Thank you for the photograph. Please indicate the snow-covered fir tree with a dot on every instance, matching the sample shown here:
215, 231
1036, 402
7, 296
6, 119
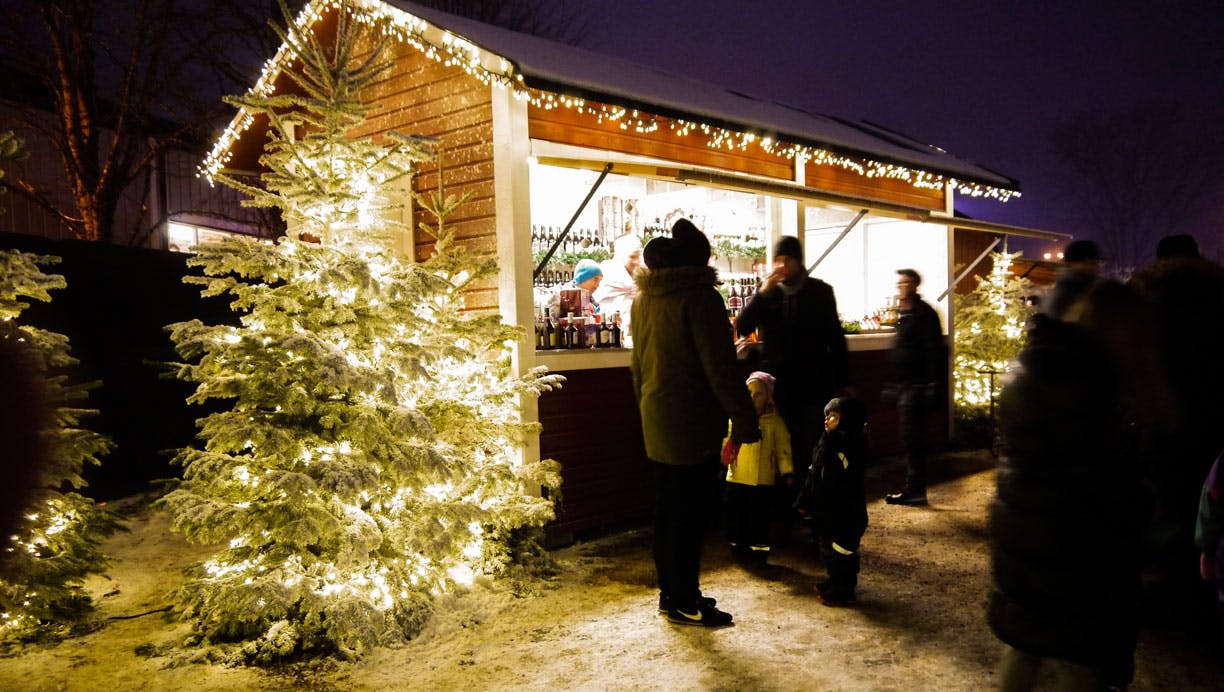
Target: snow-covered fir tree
58, 534
372, 452
989, 334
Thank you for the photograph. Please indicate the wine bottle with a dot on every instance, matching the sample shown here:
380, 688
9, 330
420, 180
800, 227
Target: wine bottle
571, 332
616, 331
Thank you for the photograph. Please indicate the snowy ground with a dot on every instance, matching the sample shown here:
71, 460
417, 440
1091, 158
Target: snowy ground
919, 625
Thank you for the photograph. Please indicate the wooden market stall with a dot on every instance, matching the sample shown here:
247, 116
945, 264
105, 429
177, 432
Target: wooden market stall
531, 128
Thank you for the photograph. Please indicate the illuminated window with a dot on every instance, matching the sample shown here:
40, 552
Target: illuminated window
862, 267
182, 237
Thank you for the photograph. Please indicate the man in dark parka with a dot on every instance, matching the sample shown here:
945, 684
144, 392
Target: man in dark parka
687, 385
805, 349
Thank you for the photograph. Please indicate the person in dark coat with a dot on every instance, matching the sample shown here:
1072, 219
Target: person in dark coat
687, 386
1065, 522
1186, 294
836, 498
918, 359
805, 348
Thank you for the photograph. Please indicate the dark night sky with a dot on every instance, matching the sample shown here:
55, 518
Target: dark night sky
985, 80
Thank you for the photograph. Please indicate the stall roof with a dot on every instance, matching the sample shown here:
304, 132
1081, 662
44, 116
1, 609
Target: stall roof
552, 66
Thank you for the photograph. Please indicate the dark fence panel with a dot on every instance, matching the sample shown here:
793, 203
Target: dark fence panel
114, 310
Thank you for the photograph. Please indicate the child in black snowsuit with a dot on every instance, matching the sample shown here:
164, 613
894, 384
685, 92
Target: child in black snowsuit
836, 499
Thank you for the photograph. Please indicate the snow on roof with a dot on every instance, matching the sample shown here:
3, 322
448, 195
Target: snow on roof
552, 66
547, 69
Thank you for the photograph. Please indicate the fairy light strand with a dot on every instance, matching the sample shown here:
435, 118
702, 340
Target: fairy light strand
496, 71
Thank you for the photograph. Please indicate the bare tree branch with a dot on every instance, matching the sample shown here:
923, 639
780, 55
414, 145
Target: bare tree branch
126, 81
1138, 175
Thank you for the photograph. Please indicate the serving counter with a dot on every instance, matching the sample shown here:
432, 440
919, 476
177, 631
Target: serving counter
593, 428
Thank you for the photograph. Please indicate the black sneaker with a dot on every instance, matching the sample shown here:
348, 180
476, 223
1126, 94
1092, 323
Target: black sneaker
706, 616
906, 498
665, 603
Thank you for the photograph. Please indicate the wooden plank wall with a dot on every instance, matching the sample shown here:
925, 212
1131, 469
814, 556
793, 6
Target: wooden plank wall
421, 96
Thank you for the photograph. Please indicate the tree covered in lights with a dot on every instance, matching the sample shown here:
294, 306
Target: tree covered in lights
989, 334
57, 534
371, 452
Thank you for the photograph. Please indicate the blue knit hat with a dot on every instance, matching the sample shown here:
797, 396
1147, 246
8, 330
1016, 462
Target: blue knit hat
586, 270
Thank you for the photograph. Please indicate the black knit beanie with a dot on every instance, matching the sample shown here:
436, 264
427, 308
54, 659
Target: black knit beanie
692, 248
659, 253
788, 246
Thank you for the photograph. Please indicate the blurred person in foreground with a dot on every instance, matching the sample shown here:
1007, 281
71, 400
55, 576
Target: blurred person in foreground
1186, 293
684, 376
1081, 266
1065, 521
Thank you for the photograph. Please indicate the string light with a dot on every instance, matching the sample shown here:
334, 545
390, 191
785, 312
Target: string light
493, 70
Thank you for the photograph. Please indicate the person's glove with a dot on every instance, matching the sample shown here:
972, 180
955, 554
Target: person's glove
1207, 567
730, 452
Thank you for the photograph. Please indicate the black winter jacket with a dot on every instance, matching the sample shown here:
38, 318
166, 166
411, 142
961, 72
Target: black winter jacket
683, 367
805, 347
1063, 525
918, 351
834, 492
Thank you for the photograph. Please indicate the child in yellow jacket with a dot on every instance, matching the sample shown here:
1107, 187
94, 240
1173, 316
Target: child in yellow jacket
752, 474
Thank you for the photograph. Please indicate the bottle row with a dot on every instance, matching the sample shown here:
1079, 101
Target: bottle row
572, 332
883, 318
554, 277
577, 240
740, 293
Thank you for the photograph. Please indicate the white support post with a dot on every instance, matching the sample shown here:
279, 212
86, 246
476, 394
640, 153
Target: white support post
512, 198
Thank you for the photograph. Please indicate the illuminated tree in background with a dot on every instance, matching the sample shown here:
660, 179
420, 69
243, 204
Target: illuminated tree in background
372, 452
989, 333
56, 542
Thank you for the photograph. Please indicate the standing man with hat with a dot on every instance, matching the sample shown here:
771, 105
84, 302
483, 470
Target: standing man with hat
805, 347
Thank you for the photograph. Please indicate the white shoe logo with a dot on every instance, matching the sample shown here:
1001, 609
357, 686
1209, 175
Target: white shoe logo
696, 617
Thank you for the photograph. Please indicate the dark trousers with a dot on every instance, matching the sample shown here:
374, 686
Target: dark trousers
805, 424
915, 413
843, 568
746, 511
682, 500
